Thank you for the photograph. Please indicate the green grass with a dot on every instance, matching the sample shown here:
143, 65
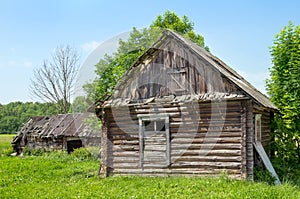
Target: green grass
5, 144
59, 175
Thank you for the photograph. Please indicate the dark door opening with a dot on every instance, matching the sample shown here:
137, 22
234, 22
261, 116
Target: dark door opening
73, 144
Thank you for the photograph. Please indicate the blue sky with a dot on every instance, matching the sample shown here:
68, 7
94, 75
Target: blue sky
239, 32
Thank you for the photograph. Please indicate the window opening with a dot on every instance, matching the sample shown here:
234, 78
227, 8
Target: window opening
156, 125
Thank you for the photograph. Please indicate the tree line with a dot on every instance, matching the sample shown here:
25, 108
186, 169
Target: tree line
15, 114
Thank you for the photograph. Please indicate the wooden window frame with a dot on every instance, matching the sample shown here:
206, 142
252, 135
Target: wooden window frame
257, 127
153, 118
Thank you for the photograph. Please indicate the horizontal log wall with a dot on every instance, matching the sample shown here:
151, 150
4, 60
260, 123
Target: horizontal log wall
206, 138
39, 143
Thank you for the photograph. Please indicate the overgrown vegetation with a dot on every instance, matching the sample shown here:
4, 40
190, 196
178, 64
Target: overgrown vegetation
284, 90
59, 175
263, 175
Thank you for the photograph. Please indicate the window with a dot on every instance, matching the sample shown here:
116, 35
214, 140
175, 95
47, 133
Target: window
154, 139
257, 127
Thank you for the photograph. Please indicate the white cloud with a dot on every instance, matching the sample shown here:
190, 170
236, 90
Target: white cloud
90, 46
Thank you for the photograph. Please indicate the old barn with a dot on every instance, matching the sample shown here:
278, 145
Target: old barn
179, 110
57, 132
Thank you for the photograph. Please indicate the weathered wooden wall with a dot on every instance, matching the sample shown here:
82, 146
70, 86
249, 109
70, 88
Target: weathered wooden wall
173, 69
266, 119
206, 138
42, 143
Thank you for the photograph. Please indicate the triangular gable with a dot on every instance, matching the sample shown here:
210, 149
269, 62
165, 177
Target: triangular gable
177, 66
229, 73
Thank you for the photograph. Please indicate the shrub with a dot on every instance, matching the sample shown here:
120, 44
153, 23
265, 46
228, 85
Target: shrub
34, 152
263, 175
82, 154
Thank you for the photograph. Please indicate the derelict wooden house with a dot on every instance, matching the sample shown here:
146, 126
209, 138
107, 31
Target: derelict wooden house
57, 132
179, 110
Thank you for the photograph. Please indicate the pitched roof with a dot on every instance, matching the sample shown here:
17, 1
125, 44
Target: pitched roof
71, 125
227, 71
215, 62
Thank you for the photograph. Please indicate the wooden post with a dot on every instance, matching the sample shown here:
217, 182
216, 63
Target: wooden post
249, 138
168, 140
244, 139
141, 142
104, 146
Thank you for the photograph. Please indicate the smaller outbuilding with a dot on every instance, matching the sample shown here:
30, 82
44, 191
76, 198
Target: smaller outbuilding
58, 132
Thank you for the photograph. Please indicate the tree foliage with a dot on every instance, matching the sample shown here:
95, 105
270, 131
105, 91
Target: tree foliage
284, 90
54, 80
184, 26
110, 69
15, 114
79, 105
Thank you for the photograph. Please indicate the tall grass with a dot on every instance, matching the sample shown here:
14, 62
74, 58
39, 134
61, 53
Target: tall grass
5, 144
59, 175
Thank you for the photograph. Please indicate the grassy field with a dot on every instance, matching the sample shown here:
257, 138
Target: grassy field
5, 144
59, 175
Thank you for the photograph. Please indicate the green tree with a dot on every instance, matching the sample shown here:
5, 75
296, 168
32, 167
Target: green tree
284, 89
184, 26
15, 114
110, 69
80, 105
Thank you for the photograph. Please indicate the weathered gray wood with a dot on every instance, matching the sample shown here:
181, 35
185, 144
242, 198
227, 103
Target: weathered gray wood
249, 138
243, 139
104, 170
260, 149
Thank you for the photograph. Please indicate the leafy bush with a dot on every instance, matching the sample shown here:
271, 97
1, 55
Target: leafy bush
263, 175
283, 89
287, 172
82, 154
34, 152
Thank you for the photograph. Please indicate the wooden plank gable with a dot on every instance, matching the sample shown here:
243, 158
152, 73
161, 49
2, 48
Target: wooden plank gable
173, 70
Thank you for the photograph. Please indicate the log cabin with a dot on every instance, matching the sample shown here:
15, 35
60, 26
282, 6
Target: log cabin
179, 110
57, 132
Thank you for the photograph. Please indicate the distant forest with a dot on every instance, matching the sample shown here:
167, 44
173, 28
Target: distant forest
15, 114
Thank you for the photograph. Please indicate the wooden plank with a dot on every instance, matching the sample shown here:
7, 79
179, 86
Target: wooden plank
243, 143
208, 152
232, 165
168, 140
181, 145
104, 169
180, 171
249, 138
259, 148
208, 140
206, 159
